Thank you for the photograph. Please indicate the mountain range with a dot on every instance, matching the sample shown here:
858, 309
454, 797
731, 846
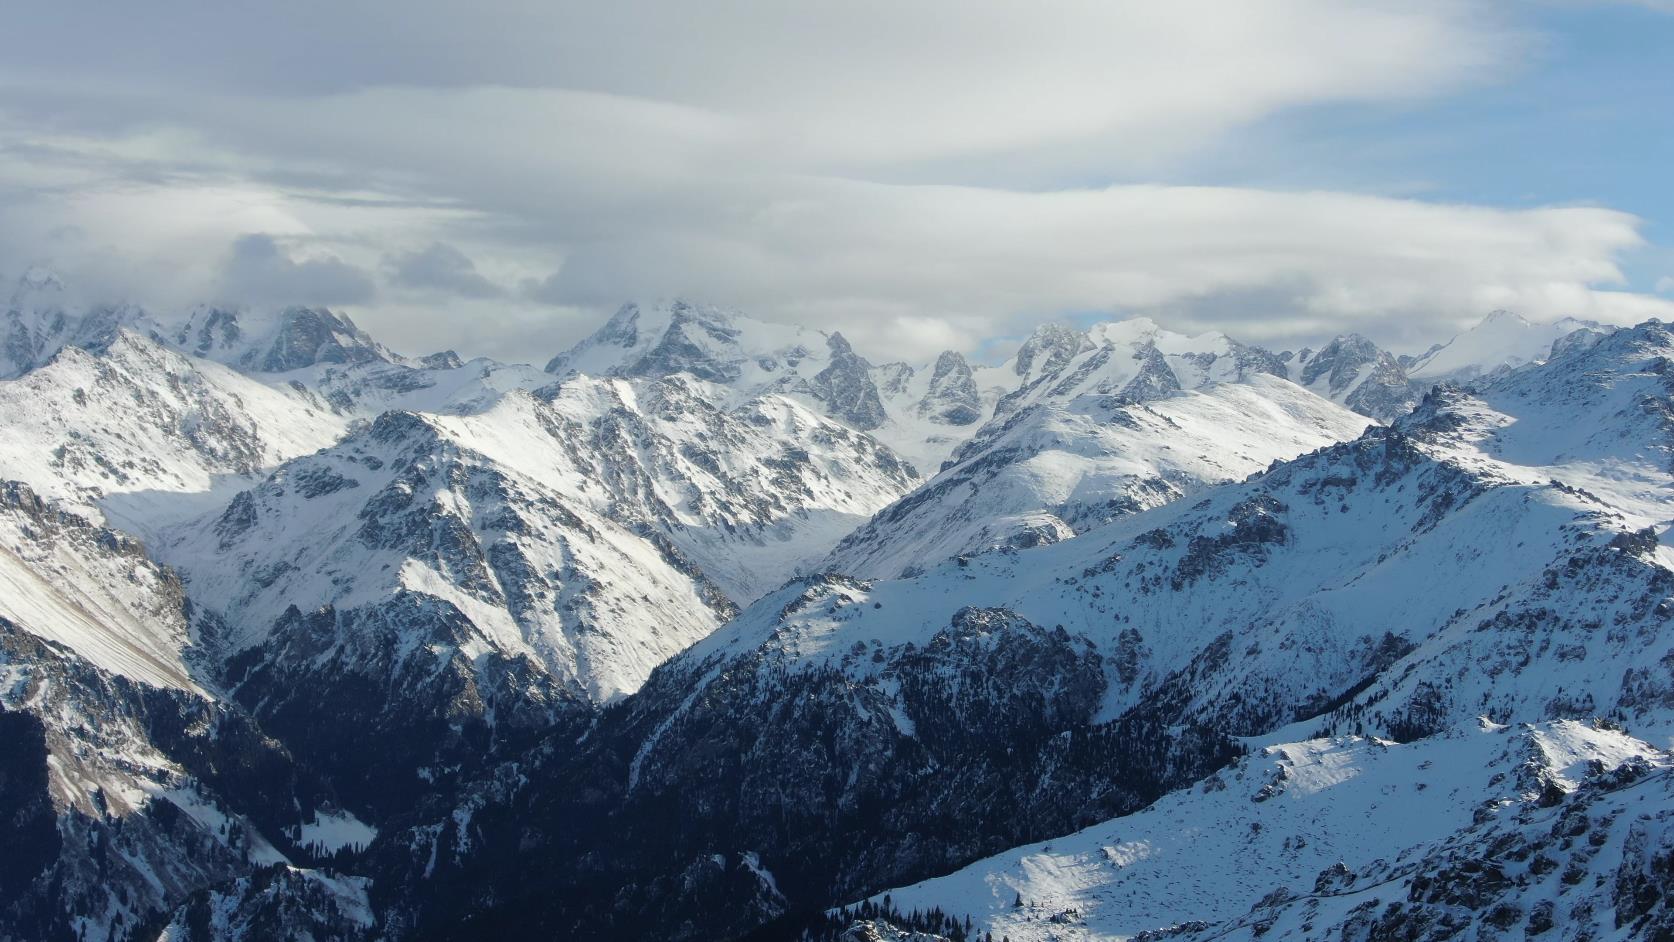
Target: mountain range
715, 628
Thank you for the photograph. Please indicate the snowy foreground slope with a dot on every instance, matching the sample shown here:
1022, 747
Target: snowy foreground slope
1552, 825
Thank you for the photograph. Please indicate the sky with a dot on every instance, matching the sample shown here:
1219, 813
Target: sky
921, 175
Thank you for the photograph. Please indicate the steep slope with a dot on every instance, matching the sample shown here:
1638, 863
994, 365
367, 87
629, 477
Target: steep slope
921, 412
464, 583
1119, 427
1356, 373
40, 319
845, 735
1335, 836
143, 434
128, 783
408, 506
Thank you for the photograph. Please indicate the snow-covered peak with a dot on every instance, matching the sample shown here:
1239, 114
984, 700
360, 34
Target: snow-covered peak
923, 411
711, 343
1502, 340
1047, 349
278, 341
139, 433
1142, 331
41, 319
1359, 374
1132, 360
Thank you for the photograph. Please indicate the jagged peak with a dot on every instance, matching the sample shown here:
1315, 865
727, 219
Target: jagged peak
949, 361
1049, 346
839, 345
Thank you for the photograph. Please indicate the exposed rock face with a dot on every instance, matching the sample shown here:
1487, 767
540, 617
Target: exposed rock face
846, 386
211, 331
1354, 371
308, 336
1049, 349
953, 398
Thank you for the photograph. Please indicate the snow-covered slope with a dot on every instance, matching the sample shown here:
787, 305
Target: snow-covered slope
1305, 834
405, 506
1501, 341
1138, 418
582, 527
128, 782
921, 412
143, 434
92, 590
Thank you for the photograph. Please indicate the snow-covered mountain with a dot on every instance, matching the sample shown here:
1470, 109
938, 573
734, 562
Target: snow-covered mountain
303, 637
129, 782
139, 433
1470, 561
1358, 374
1501, 341
596, 527
922, 412
1136, 418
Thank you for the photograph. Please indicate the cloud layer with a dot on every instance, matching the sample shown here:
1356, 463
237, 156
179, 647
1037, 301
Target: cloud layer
921, 175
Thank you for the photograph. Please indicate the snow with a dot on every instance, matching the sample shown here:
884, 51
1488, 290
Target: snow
1058, 468
1487, 551
117, 436
609, 605
1275, 820
743, 358
1502, 340
330, 831
68, 581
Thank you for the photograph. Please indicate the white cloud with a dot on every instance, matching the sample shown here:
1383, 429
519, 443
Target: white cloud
791, 159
